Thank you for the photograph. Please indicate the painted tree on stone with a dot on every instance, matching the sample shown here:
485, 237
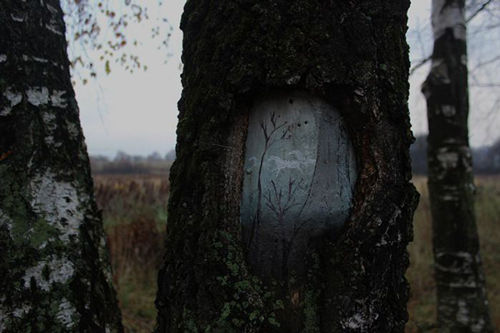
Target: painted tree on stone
54, 270
329, 65
461, 291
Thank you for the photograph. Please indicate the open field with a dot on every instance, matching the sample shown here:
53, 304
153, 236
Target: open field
135, 216
134, 212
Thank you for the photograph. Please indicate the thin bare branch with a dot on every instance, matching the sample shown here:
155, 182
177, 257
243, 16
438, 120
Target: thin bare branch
420, 64
486, 85
479, 10
487, 62
469, 19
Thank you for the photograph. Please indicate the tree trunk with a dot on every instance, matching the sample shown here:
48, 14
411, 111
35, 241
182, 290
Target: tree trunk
341, 69
461, 292
54, 270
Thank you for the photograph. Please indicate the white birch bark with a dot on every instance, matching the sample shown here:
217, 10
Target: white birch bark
461, 291
54, 271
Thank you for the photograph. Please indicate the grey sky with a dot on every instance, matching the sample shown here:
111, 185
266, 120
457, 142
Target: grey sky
137, 112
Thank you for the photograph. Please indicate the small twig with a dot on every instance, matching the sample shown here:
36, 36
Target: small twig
420, 64
470, 18
226, 147
487, 62
479, 10
486, 85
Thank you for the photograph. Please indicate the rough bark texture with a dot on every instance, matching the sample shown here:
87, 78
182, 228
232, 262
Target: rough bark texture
351, 53
462, 301
54, 270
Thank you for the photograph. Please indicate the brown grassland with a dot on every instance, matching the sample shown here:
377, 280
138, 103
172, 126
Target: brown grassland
135, 214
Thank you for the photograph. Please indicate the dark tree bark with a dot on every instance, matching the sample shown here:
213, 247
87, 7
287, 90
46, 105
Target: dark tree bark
54, 269
461, 291
352, 55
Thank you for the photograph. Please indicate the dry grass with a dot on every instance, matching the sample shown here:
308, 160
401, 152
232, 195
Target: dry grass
488, 217
421, 272
134, 211
135, 216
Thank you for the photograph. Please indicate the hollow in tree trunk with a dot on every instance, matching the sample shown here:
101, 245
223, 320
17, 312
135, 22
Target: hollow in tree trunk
257, 240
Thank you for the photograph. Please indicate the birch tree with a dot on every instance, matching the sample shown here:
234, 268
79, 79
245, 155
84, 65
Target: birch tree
257, 242
54, 271
461, 291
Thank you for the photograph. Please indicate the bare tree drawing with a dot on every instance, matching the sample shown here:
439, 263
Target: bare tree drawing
280, 201
280, 205
269, 141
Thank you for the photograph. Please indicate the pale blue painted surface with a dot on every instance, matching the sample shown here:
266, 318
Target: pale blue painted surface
300, 172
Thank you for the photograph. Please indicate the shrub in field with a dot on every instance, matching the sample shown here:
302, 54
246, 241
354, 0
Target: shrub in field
136, 247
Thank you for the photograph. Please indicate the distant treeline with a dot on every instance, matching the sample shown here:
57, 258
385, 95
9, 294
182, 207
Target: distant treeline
485, 160
124, 163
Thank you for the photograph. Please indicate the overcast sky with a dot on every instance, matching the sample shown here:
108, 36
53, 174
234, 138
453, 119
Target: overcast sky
137, 113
